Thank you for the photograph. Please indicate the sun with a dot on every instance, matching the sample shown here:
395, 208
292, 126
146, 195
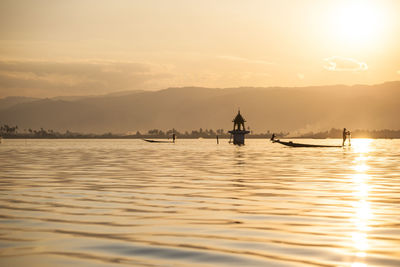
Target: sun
358, 21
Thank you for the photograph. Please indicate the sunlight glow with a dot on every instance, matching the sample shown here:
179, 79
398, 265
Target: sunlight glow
361, 254
359, 22
363, 211
362, 190
358, 264
361, 167
360, 241
361, 158
362, 208
359, 178
361, 146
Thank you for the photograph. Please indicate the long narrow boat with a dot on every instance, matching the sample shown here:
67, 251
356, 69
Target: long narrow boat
291, 144
156, 141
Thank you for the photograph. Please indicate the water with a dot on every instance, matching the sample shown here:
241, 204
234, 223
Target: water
195, 203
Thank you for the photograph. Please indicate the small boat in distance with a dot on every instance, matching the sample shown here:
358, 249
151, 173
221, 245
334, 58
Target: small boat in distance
161, 141
291, 144
157, 141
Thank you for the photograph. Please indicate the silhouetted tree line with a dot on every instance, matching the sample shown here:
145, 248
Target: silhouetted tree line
8, 131
202, 133
12, 132
358, 133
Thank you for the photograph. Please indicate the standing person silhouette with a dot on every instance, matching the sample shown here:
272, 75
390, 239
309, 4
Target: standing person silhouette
345, 134
173, 138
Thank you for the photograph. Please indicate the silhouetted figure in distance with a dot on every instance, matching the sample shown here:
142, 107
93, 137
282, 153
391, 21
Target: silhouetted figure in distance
173, 138
345, 135
273, 137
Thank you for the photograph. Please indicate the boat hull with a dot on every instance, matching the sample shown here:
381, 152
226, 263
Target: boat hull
291, 144
157, 141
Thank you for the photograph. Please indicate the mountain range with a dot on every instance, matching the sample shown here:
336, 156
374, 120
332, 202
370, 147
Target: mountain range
274, 108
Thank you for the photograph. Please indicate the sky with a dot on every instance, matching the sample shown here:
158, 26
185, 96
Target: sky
84, 47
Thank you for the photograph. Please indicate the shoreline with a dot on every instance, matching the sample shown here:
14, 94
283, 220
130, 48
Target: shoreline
192, 138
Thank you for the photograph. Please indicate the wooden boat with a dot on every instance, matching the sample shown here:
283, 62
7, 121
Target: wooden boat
291, 144
157, 141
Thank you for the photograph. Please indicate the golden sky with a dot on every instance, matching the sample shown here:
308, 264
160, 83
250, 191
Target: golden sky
77, 47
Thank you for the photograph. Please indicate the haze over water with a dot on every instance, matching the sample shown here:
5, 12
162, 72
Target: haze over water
195, 203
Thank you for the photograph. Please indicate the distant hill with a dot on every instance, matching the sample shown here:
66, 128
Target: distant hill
275, 108
10, 101
75, 98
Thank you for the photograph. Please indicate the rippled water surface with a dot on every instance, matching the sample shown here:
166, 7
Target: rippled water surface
196, 203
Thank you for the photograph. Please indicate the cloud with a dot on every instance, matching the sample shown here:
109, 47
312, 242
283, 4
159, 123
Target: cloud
51, 78
336, 63
245, 60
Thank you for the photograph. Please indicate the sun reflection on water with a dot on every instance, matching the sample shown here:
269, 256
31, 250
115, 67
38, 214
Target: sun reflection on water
358, 264
361, 145
362, 209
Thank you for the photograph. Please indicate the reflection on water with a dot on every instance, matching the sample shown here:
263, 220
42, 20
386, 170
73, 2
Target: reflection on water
195, 203
362, 210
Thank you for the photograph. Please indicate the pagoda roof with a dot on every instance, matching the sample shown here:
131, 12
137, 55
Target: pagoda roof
238, 118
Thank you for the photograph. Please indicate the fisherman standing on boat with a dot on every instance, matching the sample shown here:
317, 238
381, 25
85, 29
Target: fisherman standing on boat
345, 134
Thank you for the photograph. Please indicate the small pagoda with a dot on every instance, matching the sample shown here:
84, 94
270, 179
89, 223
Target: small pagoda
239, 130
